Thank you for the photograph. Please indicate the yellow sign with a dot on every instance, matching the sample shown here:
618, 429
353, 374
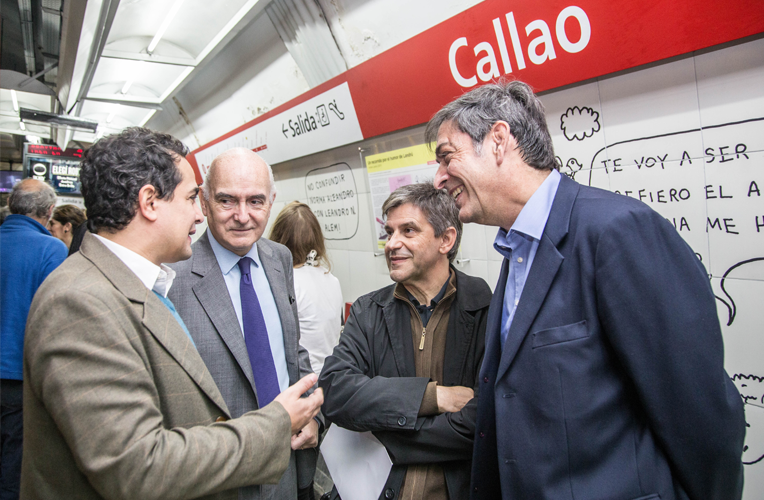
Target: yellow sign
405, 157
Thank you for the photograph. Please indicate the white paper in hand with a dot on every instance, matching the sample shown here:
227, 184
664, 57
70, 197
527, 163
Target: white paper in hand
358, 462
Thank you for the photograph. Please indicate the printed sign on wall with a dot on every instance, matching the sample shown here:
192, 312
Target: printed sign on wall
333, 198
326, 121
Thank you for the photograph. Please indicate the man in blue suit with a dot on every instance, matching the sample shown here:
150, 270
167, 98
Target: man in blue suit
603, 373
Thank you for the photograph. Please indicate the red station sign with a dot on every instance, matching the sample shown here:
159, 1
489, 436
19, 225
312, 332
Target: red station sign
547, 44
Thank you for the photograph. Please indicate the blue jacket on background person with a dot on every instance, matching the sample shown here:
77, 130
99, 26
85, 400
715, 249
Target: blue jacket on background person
28, 254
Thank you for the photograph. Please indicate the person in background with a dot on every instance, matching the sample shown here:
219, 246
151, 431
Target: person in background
407, 363
28, 254
118, 401
319, 297
604, 363
65, 221
4, 212
236, 294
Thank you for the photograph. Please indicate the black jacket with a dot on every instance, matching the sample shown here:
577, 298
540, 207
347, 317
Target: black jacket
370, 382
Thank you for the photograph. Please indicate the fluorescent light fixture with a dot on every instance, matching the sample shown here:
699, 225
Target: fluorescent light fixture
22, 126
165, 24
126, 87
33, 139
15, 101
110, 117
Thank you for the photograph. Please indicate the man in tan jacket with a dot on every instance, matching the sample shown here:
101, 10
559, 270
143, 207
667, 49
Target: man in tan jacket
119, 404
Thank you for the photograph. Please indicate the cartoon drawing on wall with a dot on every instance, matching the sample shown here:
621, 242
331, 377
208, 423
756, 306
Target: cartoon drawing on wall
699, 180
570, 168
751, 388
579, 123
728, 301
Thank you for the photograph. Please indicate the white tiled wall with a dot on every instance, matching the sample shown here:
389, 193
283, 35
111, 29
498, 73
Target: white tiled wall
671, 126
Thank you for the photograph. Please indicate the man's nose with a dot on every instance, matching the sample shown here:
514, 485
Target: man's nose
198, 216
240, 213
441, 176
393, 242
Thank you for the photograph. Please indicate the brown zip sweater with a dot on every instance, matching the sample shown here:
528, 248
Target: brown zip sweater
426, 481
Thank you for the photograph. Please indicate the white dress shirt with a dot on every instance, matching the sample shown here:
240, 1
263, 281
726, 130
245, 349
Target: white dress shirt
157, 278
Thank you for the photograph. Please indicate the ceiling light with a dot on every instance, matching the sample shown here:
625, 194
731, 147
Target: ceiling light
22, 126
54, 120
110, 117
33, 139
165, 24
15, 101
126, 87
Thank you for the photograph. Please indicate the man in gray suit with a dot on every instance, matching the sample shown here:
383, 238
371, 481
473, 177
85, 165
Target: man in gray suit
214, 297
118, 402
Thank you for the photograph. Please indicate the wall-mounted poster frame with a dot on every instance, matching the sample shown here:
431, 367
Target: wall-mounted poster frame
391, 164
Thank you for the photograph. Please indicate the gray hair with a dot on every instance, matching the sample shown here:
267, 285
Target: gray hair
230, 155
31, 201
438, 207
475, 112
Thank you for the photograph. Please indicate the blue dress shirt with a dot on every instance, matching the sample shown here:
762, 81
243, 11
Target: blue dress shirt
519, 246
228, 262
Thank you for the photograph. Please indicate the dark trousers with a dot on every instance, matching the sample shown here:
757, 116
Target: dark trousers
11, 431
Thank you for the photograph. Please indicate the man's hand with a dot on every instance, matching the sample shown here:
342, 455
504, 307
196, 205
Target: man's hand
307, 437
453, 399
301, 410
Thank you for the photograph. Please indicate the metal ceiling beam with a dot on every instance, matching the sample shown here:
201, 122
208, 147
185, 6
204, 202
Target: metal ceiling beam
135, 104
27, 33
38, 75
105, 20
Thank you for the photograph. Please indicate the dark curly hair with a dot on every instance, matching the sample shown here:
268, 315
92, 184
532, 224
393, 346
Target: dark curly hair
115, 169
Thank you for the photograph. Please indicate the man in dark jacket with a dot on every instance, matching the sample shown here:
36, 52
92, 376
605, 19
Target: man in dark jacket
407, 363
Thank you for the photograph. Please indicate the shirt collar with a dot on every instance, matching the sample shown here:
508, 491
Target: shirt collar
532, 218
227, 260
25, 220
158, 278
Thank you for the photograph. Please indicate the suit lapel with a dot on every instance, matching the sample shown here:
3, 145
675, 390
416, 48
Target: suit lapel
276, 279
212, 294
545, 266
157, 318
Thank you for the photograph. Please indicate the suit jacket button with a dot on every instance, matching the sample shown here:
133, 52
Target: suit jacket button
389, 492
401, 422
482, 435
221, 419
485, 379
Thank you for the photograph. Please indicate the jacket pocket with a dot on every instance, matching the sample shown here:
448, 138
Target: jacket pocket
560, 334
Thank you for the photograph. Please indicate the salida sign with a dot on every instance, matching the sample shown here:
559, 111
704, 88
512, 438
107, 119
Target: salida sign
540, 48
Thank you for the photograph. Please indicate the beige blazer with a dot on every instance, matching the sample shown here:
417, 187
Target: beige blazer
119, 404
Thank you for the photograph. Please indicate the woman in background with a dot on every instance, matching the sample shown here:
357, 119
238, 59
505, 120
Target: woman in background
319, 297
65, 221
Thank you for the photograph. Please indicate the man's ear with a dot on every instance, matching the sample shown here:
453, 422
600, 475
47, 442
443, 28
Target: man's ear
203, 203
447, 240
500, 137
147, 198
